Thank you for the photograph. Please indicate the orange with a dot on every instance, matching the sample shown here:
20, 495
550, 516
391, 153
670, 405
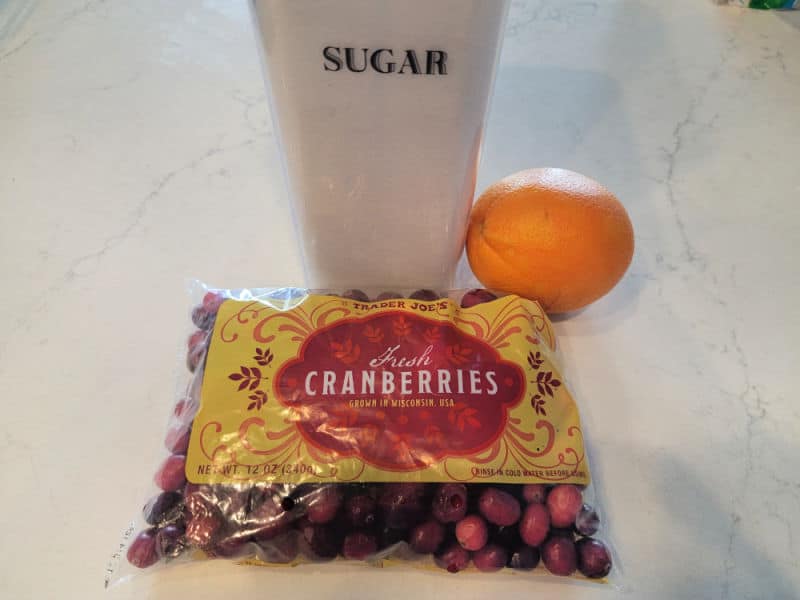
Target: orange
550, 235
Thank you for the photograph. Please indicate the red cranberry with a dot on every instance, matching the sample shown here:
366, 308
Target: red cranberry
358, 545
472, 533
142, 551
323, 503
564, 501
171, 476
356, 295
479, 296
534, 524
388, 296
491, 557
594, 559
534, 493
360, 511
559, 555
499, 507
424, 295
426, 537
450, 502
453, 558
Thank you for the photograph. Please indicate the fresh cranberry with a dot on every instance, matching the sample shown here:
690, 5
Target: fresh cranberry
356, 295
478, 296
162, 508
426, 537
171, 476
534, 524
388, 296
587, 522
559, 555
534, 493
491, 557
177, 440
594, 559
142, 551
170, 541
499, 507
564, 501
424, 295
454, 558
472, 532
450, 502
358, 545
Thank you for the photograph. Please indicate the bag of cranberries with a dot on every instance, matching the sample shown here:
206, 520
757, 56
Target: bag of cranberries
419, 428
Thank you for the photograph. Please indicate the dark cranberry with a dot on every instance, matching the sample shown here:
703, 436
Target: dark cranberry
231, 547
358, 545
499, 507
563, 502
426, 537
479, 296
453, 558
170, 541
472, 532
194, 357
450, 502
594, 559
534, 493
320, 542
170, 476
202, 318
508, 536
323, 503
356, 295
587, 522
164, 507
177, 440
268, 520
360, 511
402, 504
424, 295
201, 530
559, 555
388, 296
142, 551
282, 549
523, 558
491, 557
534, 524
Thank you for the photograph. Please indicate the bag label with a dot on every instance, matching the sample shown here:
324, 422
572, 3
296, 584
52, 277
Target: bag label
337, 390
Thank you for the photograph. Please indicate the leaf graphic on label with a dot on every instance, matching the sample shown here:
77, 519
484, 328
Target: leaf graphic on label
373, 334
458, 355
545, 382
432, 335
535, 360
434, 436
347, 352
401, 327
263, 357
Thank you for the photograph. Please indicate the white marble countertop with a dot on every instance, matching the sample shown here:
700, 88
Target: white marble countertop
136, 152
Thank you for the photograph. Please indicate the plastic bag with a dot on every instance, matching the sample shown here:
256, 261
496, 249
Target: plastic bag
763, 4
385, 427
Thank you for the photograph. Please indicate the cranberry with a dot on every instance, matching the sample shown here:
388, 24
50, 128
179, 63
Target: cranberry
499, 507
202, 530
323, 503
559, 555
523, 558
594, 559
424, 295
142, 551
426, 537
320, 542
177, 440
587, 522
450, 502
170, 541
472, 532
358, 545
564, 501
453, 558
356, 295
388, 296
534, 524
402, 504
204, 314
491, 557
360, 511
534, 493
479, 296
231, 547
170, 476
164, 507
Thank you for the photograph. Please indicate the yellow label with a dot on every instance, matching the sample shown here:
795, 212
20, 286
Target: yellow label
337, 390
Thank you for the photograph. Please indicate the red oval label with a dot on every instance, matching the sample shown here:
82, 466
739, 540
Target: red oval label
399, 391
